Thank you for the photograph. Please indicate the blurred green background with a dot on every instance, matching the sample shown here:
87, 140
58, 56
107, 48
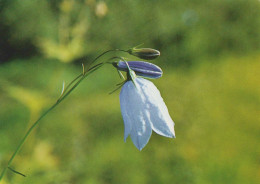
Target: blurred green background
210, 58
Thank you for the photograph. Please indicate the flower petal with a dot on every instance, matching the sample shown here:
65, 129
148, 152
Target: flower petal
125, 111
135, 115
158, 113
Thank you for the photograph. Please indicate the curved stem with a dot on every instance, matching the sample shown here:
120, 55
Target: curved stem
106, 53
67, 87
66, 92
79, 81
25, 137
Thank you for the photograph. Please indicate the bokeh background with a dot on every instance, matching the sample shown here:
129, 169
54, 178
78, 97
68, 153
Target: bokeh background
210, 58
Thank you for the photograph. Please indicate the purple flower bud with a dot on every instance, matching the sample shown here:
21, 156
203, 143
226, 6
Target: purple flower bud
140, 68
144, 53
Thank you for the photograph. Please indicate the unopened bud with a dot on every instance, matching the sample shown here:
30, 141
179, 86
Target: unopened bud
144, 53
141, 68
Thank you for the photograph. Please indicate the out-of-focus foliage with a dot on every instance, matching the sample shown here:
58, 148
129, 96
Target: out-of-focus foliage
214, 98
185, 31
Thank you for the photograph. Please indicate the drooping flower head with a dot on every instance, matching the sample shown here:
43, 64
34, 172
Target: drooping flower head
142, 106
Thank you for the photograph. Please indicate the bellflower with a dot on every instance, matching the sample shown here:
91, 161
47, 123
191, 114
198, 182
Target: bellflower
144, 110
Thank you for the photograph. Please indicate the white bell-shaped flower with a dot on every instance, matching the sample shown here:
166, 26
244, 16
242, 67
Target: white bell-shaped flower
144, 110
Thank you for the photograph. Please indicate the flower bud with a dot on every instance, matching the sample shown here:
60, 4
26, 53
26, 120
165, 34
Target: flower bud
140, 68
144, 53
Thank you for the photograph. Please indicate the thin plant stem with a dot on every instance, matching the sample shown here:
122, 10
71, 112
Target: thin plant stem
65, 93
79, 81
67, 87
104, 54
25, 137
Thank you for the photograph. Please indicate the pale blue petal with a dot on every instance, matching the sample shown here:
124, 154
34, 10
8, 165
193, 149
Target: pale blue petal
125, 110
144, 110
158, 115
132, 102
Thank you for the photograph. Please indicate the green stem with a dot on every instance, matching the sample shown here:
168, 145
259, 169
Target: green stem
79, 81
25, 137
67, 87
67, 91
106, 53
